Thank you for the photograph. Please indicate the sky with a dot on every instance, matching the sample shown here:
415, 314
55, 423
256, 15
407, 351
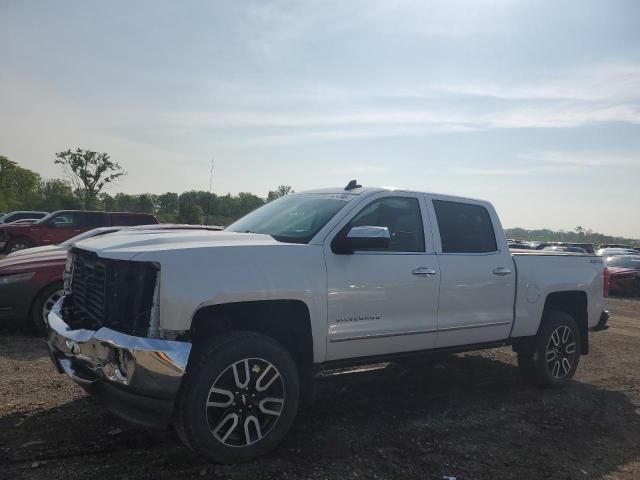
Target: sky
532, 105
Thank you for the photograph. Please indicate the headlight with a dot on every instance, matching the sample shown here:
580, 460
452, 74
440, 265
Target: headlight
68, 273
18, 277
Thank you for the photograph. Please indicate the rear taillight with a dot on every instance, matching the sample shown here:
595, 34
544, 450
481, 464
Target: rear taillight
607, 276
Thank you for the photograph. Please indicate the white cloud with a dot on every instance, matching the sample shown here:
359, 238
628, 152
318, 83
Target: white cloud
582, 159
609, 83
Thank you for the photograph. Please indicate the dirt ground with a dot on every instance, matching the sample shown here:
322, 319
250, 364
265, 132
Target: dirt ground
470, 416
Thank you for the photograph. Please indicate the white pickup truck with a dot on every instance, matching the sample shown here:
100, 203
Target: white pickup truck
220, 334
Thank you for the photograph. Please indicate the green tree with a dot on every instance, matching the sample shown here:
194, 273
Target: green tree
57, 195
89, 172
281, 191
18, 186
167, 207
145, 203
189, 211
108, 202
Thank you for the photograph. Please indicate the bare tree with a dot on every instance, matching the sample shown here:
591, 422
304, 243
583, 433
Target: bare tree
89, 172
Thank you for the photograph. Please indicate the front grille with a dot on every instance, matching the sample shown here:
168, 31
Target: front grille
89, 285
110, 293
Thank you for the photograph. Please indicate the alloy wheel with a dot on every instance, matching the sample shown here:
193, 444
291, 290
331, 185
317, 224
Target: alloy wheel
245, 402
49, 303
18, 246
561, 352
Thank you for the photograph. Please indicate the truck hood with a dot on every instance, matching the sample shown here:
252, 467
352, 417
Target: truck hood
124, 245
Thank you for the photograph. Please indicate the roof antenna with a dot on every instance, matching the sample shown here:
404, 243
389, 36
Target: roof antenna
209, 196
352, 184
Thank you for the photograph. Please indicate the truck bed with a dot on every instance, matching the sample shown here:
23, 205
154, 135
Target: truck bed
570, 272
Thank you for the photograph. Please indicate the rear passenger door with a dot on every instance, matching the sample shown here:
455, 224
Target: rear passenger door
477, 277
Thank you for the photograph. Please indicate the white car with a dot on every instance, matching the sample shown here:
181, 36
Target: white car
612, 252
221, 333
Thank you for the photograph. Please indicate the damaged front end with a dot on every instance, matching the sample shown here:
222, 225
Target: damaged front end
104, 335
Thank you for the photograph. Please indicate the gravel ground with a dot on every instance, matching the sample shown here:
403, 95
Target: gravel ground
471, 416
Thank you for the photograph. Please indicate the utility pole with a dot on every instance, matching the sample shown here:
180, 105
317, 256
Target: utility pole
209, 197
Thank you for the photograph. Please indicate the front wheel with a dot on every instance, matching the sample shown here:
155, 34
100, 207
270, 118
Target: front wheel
42, 306
18, 244
552, 357
239, 399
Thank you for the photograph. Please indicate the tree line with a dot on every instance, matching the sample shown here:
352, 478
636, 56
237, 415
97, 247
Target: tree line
89, 173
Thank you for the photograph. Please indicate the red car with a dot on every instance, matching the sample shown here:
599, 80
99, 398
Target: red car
59, 226
30, 283
624, 275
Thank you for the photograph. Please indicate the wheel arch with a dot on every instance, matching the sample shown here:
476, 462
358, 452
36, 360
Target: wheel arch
574, 303
286, 321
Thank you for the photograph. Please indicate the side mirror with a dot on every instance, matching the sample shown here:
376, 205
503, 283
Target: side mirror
362, 238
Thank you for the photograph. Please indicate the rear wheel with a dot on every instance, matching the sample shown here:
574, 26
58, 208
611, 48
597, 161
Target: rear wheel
18, 244
240, 399
42, 306
552, 357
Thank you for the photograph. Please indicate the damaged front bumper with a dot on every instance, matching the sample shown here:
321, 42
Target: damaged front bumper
136, 378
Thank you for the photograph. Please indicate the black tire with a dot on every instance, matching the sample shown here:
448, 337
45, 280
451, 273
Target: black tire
43, 302
543, 360
19, 243
203, 428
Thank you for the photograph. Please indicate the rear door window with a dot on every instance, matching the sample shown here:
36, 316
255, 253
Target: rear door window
464, 227
90, 219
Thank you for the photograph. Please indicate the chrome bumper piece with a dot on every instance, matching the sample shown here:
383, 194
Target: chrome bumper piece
603, 323
145, 367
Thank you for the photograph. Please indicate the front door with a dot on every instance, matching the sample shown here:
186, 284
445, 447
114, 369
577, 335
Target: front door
386, 300
60, 228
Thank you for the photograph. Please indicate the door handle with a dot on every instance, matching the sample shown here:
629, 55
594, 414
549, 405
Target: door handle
501, 271
424, 271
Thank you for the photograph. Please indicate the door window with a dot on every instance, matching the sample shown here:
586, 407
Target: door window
401, 215
64, 220
89, 219
464, 227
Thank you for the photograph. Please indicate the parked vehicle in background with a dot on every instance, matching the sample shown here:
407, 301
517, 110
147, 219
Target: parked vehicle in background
15, 216
612, 252
31, 280
311, 281
617, 245
624, 275
64, 224
567, 249
24, 221
22, 214
519, 244
587, 247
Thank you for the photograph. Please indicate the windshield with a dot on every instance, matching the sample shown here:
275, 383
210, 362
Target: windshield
624, 261
294, 218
